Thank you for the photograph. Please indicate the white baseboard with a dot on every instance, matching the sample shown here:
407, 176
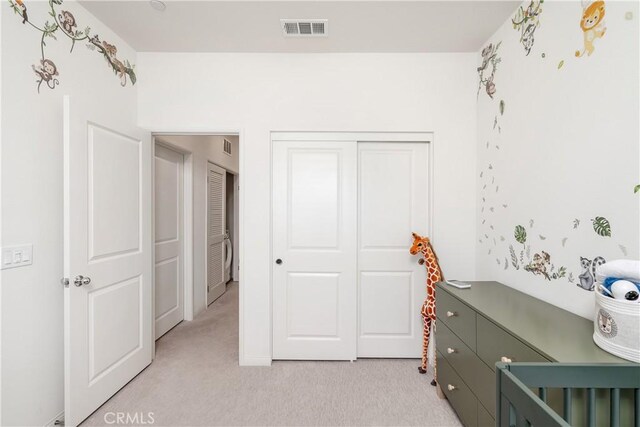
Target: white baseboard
52, 422
255, 361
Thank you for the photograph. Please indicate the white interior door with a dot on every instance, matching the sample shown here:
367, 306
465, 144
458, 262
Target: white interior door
169, 286
393, 201
107, 246
314, 239
216, 184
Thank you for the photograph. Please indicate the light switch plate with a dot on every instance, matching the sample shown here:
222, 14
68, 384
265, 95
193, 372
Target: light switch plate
17, 256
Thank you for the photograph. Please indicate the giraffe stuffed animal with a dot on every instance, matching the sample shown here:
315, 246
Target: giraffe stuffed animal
423, 246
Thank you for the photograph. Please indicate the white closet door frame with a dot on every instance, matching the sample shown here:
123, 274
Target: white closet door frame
425, 137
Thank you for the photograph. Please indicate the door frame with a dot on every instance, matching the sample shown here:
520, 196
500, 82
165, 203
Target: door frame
188, 221
357, 136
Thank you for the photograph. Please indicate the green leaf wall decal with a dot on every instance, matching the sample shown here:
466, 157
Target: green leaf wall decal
601, 226
520, 234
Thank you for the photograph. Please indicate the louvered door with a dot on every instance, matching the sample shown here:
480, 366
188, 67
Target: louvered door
215, 232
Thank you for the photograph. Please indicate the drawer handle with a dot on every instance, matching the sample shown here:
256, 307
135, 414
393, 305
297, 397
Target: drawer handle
451, 350
505, 359
451, 313
451, 387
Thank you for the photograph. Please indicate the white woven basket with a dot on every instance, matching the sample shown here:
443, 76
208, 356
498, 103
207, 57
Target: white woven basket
616, 326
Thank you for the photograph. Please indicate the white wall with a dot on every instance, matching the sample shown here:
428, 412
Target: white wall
32, 297
202, 149
259, 93
566, 148
207, 147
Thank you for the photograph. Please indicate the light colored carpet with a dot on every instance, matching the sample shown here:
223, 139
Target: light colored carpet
195, 380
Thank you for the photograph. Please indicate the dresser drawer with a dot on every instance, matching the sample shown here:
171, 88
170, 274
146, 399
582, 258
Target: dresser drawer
487, 389
459, 317
484, 418
461, 358
494, 344
461, 398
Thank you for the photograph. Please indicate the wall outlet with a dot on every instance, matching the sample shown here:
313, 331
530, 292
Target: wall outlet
17, 256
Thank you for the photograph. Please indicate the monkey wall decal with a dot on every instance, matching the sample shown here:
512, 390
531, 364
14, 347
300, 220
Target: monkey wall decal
65, 22
47, 72
489, 60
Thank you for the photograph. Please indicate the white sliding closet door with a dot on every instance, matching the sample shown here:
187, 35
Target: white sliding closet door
314, 250
169, 287
393, 184
216, 184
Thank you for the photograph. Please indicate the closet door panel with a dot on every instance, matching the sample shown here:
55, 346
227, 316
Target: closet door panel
393, 202
314, 250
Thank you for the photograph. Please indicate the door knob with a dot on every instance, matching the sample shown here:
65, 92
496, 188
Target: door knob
451, 350
451, 313
451, 387
278, 261
81, 280
505, 359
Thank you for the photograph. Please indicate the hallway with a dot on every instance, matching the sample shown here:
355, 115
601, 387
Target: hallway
195, 380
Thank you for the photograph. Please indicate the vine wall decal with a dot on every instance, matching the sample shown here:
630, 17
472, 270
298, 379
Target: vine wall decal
65, 23
527, 22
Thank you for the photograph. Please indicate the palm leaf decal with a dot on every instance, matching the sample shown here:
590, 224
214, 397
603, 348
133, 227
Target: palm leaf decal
520, 234
601, 226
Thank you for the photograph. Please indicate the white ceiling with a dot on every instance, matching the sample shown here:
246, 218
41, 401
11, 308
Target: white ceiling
354, 26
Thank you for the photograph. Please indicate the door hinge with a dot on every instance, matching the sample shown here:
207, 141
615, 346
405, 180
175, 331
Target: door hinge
64, 282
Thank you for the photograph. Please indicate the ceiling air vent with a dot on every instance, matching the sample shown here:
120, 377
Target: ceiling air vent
227, 147
304, 27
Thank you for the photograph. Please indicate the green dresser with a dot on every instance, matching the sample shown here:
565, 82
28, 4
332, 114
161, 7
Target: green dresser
489, 323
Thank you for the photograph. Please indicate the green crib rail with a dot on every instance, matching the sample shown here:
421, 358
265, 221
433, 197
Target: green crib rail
578, 391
